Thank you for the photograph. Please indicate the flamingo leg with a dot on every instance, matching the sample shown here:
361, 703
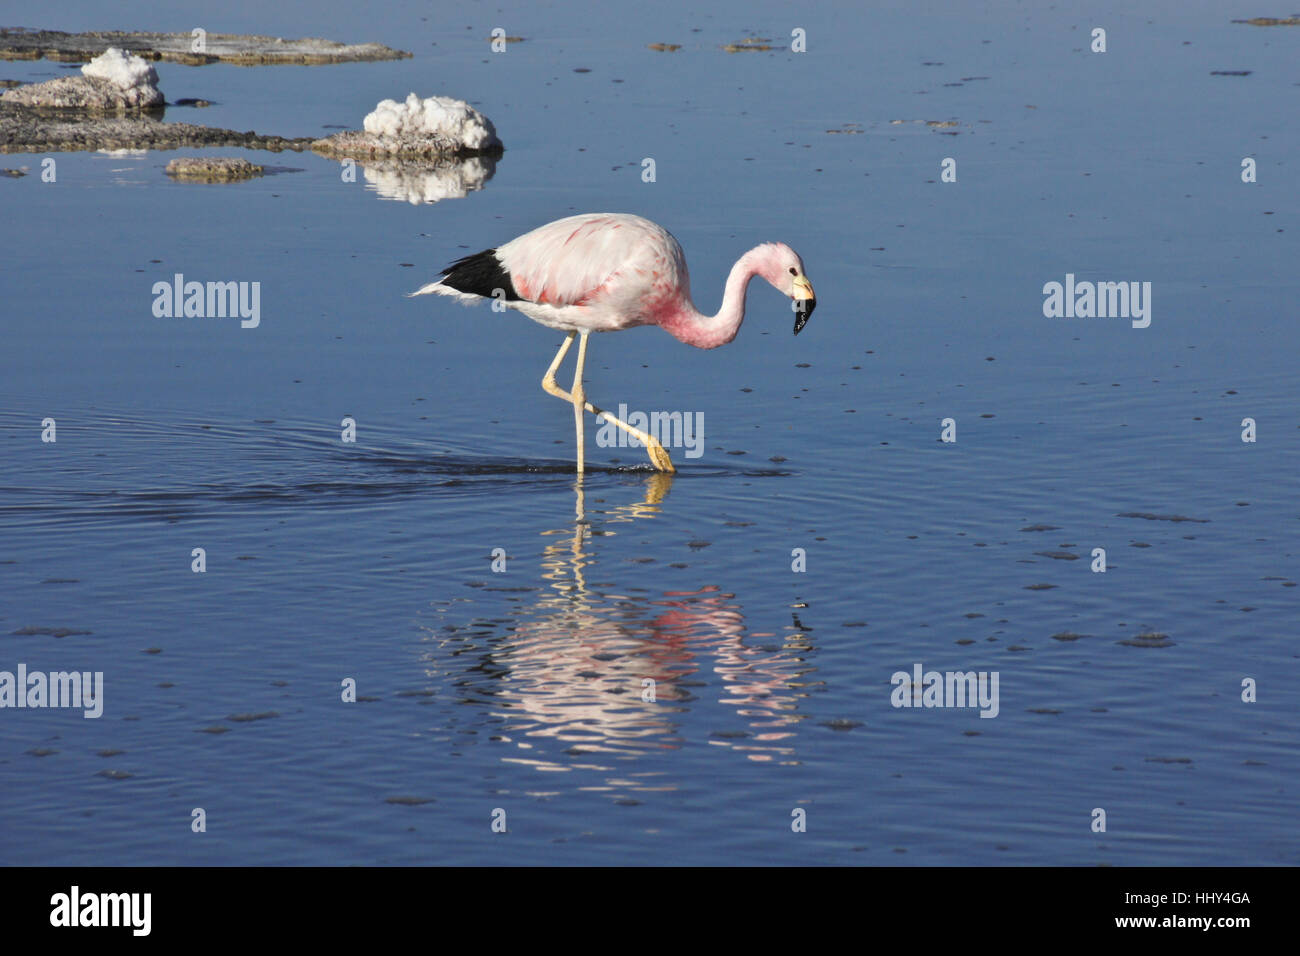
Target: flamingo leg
579, 396
658, 455
548, 380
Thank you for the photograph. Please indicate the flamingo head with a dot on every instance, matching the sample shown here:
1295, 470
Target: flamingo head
783, 269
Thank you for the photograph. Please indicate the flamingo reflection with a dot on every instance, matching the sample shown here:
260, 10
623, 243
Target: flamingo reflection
585, 677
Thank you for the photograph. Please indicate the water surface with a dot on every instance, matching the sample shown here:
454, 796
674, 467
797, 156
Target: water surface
522, 689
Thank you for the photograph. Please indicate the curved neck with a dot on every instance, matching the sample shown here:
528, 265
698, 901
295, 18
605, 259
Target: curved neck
688, 325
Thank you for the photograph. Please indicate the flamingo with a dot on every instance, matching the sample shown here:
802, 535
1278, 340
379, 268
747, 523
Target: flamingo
604, 272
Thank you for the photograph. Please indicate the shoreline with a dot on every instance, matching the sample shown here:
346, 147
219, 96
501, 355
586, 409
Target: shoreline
240, 49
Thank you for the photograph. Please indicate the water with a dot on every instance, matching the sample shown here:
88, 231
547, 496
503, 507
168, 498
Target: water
522, 690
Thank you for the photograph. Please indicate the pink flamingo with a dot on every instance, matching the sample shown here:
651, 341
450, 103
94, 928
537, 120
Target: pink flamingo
603, 272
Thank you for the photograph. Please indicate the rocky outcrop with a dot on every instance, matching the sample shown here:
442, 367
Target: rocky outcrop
212, 169
437, 126
36, 131
246, 50
113, 82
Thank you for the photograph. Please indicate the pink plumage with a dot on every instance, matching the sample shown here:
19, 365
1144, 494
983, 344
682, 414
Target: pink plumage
602, 272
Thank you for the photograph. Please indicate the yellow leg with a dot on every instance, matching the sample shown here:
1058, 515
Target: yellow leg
548, 380
658, 455
579, 397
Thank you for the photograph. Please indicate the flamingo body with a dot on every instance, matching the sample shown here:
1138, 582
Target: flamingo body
602, 272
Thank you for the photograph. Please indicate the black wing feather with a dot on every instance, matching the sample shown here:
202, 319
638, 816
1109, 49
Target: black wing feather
480, 274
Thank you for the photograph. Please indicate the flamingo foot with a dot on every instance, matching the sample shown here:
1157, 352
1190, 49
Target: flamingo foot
659, 456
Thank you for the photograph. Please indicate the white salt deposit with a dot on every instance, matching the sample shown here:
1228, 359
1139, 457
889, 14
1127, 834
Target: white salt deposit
113, 82
438, 116
124, 70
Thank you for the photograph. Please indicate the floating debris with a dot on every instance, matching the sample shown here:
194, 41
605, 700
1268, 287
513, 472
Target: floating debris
750, 43
1151, 639
212, 169
1068, 636
14, 173
1231, 72
436, 126
932, 124
665, 47
841, 723
113, 82
1148, 516
50, 631
1271, 21
237, 48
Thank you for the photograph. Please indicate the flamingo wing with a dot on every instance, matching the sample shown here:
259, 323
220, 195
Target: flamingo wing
596, 271
576, 260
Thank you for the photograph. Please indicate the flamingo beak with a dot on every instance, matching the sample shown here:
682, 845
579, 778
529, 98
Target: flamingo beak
805, 300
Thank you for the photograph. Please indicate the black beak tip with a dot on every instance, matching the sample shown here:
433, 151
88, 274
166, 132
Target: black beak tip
803, 314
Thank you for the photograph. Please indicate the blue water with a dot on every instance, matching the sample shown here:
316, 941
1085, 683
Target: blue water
521, 690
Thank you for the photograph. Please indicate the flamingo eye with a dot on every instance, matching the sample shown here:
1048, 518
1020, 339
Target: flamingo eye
794, 271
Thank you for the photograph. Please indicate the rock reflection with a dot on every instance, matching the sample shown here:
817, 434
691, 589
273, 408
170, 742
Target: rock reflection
427, 181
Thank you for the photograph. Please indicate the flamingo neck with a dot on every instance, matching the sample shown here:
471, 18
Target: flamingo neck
688, 325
